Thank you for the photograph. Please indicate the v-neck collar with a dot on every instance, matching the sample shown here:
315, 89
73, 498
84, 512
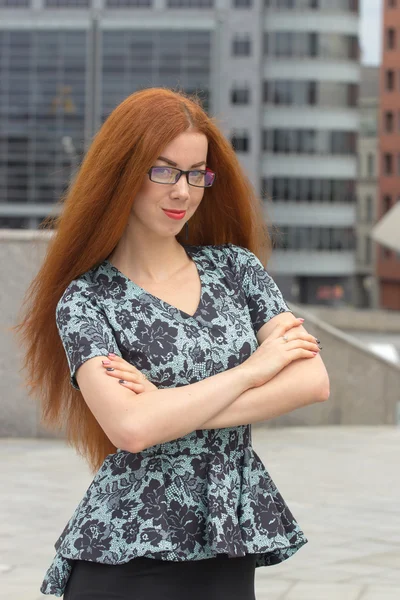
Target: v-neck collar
191, 252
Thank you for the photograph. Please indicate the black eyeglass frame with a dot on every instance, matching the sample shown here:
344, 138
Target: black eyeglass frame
186, 173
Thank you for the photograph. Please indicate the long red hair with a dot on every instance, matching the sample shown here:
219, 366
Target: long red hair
95, 213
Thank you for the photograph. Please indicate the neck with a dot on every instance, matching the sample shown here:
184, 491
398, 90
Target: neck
145, 256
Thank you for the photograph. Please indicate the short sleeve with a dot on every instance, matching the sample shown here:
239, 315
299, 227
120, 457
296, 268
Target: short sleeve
263, 296
83, 328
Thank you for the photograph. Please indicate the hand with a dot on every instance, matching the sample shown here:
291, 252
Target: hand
132, 377
276, 352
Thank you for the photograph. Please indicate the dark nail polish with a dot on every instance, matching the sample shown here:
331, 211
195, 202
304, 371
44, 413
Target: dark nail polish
317, 340
121, 381
320, 347
110, 369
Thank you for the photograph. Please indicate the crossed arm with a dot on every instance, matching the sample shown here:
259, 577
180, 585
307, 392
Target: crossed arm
302, 382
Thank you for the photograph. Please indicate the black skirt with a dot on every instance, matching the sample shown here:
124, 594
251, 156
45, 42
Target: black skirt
217, 578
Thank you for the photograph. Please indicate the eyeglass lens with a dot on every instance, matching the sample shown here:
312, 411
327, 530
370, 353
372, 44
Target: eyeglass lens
171, 175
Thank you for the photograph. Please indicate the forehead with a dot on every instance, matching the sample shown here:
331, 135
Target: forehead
189, 146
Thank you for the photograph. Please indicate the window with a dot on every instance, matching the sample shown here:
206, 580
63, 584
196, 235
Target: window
342, 5
313, 44
387, 204
310, 44
388, 163
301, 189
14, 3
315, 238
369, 209
368, 250
389, 121
241, 45
240, 95
311, 92
390, 38
190, 3
240, 141
286, 92
352, 94
370, 165
390, 80
67, 3
308, 141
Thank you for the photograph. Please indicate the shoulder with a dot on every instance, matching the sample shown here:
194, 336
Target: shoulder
78, 295
228, 251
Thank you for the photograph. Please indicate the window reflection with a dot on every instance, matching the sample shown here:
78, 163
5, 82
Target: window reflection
308, 141
133, 60
308, 44
42, 99
301, 189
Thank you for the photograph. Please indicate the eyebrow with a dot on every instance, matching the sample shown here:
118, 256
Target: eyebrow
174, 164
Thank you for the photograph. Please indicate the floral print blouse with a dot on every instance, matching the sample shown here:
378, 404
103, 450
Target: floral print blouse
207, 492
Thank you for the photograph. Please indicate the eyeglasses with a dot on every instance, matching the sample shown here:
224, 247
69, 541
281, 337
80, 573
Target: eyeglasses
170, 176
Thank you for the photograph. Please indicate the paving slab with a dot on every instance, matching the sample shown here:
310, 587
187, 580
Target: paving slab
324, 591
341, 483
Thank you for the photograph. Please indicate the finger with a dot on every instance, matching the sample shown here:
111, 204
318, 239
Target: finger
122, 364
122, 374
302, 353
281, 329
303, 335
135, 387
304, 344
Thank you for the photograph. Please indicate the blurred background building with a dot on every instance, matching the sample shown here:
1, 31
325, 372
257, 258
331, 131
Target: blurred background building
389, 147
366, 290
309, 161
281, 76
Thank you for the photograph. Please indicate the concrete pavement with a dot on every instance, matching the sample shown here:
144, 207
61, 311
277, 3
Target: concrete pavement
341, 483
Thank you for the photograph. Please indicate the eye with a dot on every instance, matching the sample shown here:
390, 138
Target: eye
197, 175
163, 170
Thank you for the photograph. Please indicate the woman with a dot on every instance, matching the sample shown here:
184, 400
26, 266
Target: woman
172, 350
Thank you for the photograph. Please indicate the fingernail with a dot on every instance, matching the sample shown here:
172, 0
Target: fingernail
121, 381
302, 320
320, 347
106, 362
110, 369
317, 340
112, 354
315, 353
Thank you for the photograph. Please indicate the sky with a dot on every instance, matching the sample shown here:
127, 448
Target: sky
370, 31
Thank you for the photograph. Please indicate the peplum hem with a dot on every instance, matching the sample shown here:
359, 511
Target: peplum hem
174, 504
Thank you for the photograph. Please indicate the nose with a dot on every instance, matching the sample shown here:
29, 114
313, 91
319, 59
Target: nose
181, 188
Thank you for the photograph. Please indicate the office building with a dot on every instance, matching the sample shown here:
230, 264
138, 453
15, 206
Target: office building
280, 76
309, 161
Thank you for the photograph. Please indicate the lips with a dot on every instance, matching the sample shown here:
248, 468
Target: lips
174, 214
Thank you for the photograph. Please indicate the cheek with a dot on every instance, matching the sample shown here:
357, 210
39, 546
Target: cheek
148, 195
197, 195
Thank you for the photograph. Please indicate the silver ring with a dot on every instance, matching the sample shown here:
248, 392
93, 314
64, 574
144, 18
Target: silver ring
285, 338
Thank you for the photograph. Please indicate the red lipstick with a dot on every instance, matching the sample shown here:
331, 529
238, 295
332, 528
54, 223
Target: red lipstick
175, 214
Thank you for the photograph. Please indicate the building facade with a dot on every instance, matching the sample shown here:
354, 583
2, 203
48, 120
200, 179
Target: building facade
388, 263
280, 76
367, 292
310, 124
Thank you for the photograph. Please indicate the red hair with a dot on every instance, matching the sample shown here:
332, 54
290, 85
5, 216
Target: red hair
95, 213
